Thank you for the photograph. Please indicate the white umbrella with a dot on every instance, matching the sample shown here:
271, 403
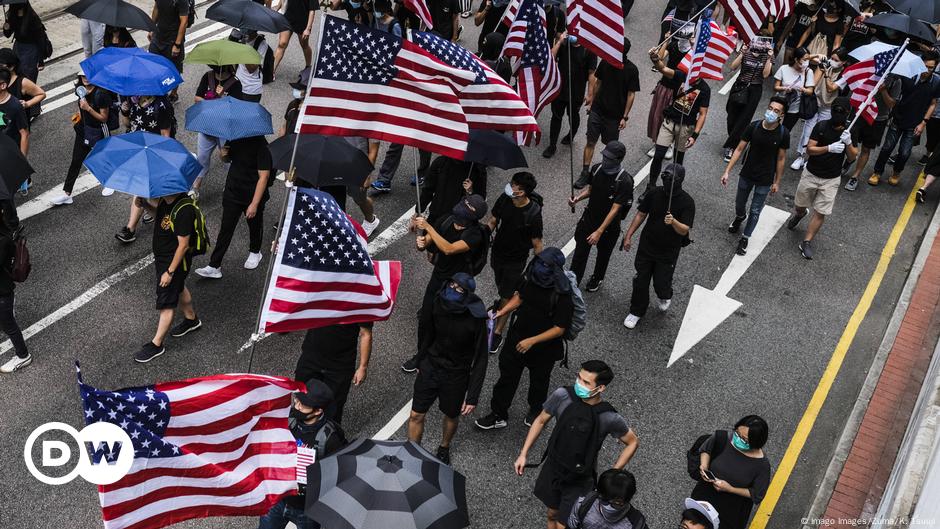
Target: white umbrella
909, 65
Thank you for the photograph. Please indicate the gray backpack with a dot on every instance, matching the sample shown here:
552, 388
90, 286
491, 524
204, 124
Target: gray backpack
579, 316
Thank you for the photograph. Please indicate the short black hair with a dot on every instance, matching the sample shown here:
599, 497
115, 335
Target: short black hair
383, 6
5, 75
604, 375
780, 100
616, 484
626, 45
799, 54
526, 181
842, 52
757, 430
697, 517
931, 55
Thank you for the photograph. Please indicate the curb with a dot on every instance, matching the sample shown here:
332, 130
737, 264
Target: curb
847, 439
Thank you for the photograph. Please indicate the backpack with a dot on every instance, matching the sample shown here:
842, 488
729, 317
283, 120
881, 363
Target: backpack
624, 178
636, 518
199, 241
21, 264
192, 14
267, 60
579, 316
577, 436
476, 260
692, 456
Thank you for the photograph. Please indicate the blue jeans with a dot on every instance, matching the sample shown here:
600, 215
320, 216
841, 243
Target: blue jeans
757, 203
895, 136
282, 513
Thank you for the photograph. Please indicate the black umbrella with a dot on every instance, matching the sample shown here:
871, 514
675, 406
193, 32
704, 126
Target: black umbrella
117, 13
14, 170
11, 2
490, 148
851, 6
322, 160
925, 10
903, 24
247, 14
385, 484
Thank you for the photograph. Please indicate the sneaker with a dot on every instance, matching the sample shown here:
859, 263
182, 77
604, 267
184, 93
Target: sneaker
443, 453
106, 191
459, 31
894, 180
530, 417
410, 365
921, 195
16, 363
794, 220
253, 259
491, 422
209, 272
593, 284
414, 181
798, 164
126, 236
742, 246
148, 352
185, 327
549, 151
664, 304
582, 179
923, 159
852, 184
380, 186
735, 225
669, 153
566, 139
61, 200
726, 154
193, 193
370, 227
806, 249
630, 321
148, 218
874, 179
465, 14
497, 341
652, 152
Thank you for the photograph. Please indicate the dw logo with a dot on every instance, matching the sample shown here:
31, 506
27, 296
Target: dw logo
105, 453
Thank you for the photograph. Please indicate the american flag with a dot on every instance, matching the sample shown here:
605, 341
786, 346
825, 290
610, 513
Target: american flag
862, 78
210, 446
323, 274
598, 24
670, 16
538, 79
420, 8
712, 49
749, 15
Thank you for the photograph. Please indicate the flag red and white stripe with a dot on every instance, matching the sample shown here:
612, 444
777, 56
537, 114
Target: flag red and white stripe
863, 77
598, 24
749, 15
709, 65
420, 8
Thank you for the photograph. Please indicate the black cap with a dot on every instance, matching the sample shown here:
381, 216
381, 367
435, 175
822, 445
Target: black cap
472, 207
302, 79
318, 395
614, 150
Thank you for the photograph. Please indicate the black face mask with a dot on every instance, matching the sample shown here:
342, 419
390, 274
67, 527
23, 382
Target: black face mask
671, 182
301, 416
839, 119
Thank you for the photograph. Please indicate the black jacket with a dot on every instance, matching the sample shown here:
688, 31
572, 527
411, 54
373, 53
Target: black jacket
456, 342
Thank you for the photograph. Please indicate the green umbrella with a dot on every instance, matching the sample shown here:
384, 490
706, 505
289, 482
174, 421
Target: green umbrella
223, 52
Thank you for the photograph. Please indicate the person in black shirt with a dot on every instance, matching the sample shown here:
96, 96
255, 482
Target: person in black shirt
300, 15
517, 223
671, 212
451, 359
94, 109
21, 357
489, 15
447, 181
444, 15
766, 142
29, 37
13, 119
218, 82
175, 225
329, 354
610, 190
171, 18
491, 54
574, 78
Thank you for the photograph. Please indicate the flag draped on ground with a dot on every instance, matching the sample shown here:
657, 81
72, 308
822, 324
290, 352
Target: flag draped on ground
710, 53
323, 274
420, 8
210, 446
863, 76
598, 24
749, 15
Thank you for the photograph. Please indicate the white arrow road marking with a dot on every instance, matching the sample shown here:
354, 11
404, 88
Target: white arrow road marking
707, 309
727, 87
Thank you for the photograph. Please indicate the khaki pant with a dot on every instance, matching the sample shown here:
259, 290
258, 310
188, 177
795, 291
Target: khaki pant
817, 193
668, 131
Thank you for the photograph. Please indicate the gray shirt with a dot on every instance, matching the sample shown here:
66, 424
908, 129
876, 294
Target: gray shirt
611, 423
597, 517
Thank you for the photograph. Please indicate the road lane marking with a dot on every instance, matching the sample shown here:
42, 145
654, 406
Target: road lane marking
727, 87
43, 202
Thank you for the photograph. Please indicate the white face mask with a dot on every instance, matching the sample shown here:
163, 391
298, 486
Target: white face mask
835, 64
297, 93
804, 65
509, 192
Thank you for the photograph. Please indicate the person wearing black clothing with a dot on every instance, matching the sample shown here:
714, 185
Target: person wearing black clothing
756, 63
29, 94
488, 16
300, 14
452, 360
829, 29
329, 354
219, 81
582, 66
447, 181
490, 52
311, 422
94, 109
609, 505
671, 213
29, 38
610, 194
800, 20
541, 311
246, 192
8, 324
115, 37
171, 18
444, 16
15, 125
517, 224
175, 224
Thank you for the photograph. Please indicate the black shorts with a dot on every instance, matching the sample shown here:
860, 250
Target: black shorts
507, 274
869, 136
447, 387
166, 50
608, 129
168, 297
557, 492
933, 164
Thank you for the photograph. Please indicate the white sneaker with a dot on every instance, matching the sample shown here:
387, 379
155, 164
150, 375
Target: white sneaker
669, 153
798, 164
212, 272
106, 191
370, 227
664, 304
252, 262
651, 152
61, 200
16, 363
631, 321
194, 193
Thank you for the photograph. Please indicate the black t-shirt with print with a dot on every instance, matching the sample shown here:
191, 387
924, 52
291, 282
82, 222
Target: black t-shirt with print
611, 99
760, 158
155, 117
13, 118
686, 105
859, 34
164, 237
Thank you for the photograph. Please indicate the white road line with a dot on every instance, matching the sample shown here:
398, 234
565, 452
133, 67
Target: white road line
41, 203
727, 87
77, 303
393, 425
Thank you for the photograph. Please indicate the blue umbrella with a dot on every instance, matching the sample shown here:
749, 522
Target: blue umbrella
131, 72
143, 164
228, 118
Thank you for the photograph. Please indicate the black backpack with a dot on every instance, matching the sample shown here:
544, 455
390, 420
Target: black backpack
576, 439
692, 456
624, 178
637, 520
192, 14
477, 259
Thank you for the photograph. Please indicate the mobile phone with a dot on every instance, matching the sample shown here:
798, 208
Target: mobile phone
709, 476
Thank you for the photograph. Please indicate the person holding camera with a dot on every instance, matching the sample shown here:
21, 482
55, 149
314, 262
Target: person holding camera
91, 126
827, 90
756, 63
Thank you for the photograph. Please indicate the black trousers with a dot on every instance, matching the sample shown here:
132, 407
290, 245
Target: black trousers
434, 285
933, 134
649, 268
511, 366
605, 247
231, 212
740, 116
10, 327
79, 152
339, 382
559, 108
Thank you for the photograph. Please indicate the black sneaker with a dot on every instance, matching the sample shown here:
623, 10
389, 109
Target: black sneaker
593, 285
726, 154
566, 139
148, 218
549, 151
806, 249
582, 180
126, 236
924, 159
921, 195
497, 341
794, 220
742, 246
185, 327
530, 417
735, 225
491, 422
443, 453
148, 352
410, 365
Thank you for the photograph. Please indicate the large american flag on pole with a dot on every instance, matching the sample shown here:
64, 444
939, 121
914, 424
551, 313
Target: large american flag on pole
210, 446
323, 274
862, 78
420, 8
749, 15
598, 24
712, 49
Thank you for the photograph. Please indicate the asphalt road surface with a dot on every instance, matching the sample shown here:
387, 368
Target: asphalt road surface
90, 299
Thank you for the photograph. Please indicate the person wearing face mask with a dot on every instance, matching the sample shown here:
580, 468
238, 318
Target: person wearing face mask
827, 90
825, 33
666, 61
570, 459
293, 108
610, 194
576, 66
28, 93
791, 81
670, 211
756, 63
310, 421
830, 145
869, 136
608, 506
219, 81
384, 18
800, 20
94, 108
740, 470
451, 360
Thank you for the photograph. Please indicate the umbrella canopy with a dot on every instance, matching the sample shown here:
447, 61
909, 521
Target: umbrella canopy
248, 14
229, 118
909, 65
117, 13
851, 7
14, 170
131, 72
12, 2
222, 52
382, 484
322, 160
490, 148
143, 164
903, 24
925, 10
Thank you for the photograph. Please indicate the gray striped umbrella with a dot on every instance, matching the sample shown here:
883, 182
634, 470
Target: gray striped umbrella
385, 484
